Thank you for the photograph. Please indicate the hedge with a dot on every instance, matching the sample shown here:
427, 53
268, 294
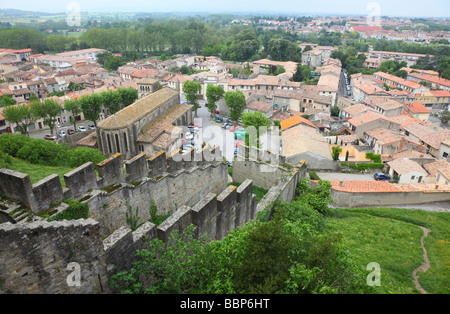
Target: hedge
362, 167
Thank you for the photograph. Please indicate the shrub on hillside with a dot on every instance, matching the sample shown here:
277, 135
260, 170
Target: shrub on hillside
81, 155
41, 152
5, 160
45, 153
11, 143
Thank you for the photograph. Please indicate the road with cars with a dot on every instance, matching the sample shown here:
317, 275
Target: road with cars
66, 128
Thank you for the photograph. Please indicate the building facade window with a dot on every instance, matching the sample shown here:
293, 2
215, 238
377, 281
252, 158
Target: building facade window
109, 143
125, 141
117, 143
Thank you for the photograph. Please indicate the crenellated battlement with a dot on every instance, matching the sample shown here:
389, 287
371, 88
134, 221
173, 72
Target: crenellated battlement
79, 181
191, 188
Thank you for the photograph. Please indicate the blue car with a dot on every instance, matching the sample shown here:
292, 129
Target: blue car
381, 177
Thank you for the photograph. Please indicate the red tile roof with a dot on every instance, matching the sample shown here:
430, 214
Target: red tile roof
294, 120
384, 186
416, 107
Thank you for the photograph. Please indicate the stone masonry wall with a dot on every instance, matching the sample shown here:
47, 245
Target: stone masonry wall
34, 257
262, 167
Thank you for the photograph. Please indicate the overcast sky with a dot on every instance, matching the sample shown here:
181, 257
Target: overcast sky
419, 8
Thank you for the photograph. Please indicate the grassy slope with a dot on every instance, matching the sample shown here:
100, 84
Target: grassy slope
391, 237
38, 172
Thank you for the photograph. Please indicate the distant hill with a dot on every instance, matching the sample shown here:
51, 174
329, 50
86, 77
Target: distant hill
16, 12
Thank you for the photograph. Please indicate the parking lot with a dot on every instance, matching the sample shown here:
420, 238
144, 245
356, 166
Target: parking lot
65, 127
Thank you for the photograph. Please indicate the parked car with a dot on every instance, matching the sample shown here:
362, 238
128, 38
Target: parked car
379, 176
61, 133
234, 128
226, 125
81, 129
189, 136
91, 127
70, 132
49, 137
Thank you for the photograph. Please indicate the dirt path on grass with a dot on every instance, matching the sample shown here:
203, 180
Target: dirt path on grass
426, 265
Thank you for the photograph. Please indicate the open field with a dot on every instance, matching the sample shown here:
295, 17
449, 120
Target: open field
391, 237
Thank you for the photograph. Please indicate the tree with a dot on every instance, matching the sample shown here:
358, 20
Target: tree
113, 63
191, 90
48, 111
401, 73
335, 111
127, 96
21, 115
74, 106
257, 120
214, 94
74, 86
91, 106
184, 69
301, 74
235, 101
272, 244
283, 50
445, 117
244, 45
336, 151
7, 100
307, 48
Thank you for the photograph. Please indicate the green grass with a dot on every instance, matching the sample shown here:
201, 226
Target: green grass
259, 192
38, 172
391, 238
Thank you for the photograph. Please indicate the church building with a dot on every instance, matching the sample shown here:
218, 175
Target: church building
149, 125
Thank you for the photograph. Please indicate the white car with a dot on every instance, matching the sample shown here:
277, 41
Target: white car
189, 136
81, 129
91, 127
61, 133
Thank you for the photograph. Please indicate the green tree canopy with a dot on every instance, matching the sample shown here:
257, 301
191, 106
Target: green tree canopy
48, 110
214, 93
283, 50
7, 100
91, 106
191, 90
74, 106
20, 115
235, 101
259, 121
